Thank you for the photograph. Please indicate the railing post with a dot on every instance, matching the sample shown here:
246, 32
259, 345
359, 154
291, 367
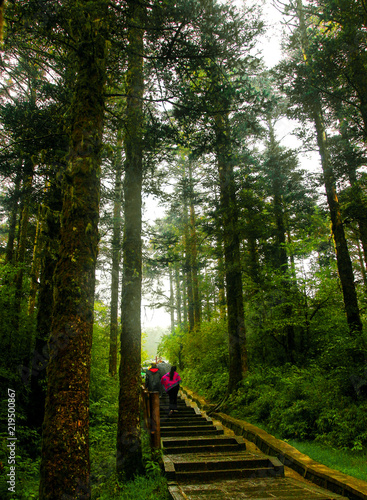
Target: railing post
155, 427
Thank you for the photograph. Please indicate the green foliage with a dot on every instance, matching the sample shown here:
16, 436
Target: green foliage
28, 446
204, 354
303, 404
16, 326
170, 347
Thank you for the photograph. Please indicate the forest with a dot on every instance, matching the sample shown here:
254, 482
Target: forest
110, 107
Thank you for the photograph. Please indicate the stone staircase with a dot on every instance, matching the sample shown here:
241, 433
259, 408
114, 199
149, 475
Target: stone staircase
202, 462
197, 450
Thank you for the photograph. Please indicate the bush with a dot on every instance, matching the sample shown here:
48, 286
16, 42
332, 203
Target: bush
304, 404
204, 356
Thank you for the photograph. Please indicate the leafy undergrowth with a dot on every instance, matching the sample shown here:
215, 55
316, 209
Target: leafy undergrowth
303, 404
103, 430
317, 413
105, 485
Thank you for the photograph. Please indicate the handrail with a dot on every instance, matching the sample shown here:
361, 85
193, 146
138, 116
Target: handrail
150, 401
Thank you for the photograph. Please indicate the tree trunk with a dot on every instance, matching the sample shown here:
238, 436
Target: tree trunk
221, 287
188, 268
171, 299
193, 255
50, 247
116, 242
129, 460
36, 263
233, 273
358, 197
178, 295
281, 260
9, 252
361, 263
344, 263
22, 242
65, 466
184, 301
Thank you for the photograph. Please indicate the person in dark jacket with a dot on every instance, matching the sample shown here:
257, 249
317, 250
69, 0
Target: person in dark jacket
153, 379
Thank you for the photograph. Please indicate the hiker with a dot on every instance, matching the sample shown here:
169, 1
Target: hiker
153, 379
171, 383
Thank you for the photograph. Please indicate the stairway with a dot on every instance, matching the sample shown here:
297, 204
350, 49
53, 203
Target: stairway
203, 463
196, 450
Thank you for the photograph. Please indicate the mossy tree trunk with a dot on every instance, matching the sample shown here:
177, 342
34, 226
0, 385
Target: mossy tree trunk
129, 459
65, 465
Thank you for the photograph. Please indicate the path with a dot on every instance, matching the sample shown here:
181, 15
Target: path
203, 462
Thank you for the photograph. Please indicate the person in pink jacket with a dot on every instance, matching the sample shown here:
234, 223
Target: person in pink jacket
171, 384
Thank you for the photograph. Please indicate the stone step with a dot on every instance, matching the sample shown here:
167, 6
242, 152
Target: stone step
183, 423
165, 400
179, 407
221, 463
203, 467
191, 431
218, 474
256, 489
186, 422
200, 444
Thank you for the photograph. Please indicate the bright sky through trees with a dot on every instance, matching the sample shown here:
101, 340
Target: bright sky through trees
269, 47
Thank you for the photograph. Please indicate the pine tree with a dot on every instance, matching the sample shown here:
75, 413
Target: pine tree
65, 449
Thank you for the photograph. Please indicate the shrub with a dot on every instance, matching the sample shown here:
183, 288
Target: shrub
305, 404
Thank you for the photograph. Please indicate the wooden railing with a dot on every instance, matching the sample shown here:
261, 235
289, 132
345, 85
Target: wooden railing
150, 402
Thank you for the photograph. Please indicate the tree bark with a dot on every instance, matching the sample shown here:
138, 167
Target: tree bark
65, 466
129, 460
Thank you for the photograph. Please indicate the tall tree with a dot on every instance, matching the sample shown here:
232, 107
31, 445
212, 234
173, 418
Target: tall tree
213, 90
128, 432
65, 466
238, 365
308, 96
342, 254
